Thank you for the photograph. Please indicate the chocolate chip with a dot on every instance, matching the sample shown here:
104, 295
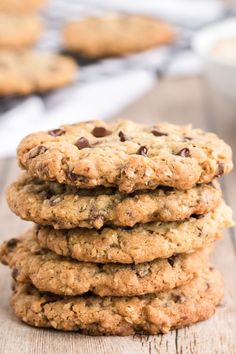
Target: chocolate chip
39, 252
114, 245
172, 260
156, 132
100, 132
180, 299
15, 273
184, 152
37, 151
220, 170
142, 151
198, 216
82, 143
12, 243
188, 138
47, 194
166, 188
56, 132
50, 298
72, 176
122, 136
212, 184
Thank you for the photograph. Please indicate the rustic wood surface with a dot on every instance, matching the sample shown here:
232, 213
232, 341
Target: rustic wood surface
181, 101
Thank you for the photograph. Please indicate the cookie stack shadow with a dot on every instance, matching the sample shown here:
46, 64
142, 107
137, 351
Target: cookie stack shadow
104, 261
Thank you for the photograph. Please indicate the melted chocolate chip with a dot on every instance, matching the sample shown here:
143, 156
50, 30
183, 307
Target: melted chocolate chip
184, 152
47, 194
12, 243
37, 151
56, 132
198, 216
212, 184
50, 298
166, 188
39, 252
220, 170
100, 132
172, 260
156, 132
122, 136
100, 267
82, 143
180, 299
188, 138
142, 151
72, 176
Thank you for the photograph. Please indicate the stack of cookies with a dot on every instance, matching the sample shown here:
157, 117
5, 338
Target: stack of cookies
126, 219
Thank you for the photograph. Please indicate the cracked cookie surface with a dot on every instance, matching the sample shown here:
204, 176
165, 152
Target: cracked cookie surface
24, 72
66, 207
64, 276
124, 154
115, 35
148, 314
140, 244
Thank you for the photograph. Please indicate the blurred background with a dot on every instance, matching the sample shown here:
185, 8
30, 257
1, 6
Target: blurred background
162, 82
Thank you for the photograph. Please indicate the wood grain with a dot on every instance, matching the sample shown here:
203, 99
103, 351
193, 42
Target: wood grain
179, 101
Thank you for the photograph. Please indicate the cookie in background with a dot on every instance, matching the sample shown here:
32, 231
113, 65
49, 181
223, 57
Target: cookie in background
116, 35
22, 6
19, 30
24, 72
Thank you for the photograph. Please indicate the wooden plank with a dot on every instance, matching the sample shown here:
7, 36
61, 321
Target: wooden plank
178, 101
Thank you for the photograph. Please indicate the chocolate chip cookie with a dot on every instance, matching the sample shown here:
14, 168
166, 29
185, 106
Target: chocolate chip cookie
65, 207
19, 31
116, 35
124, 154
143, 243
63, 276
24, 72
148, 314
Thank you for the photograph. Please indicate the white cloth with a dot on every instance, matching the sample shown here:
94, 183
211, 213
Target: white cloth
105, 87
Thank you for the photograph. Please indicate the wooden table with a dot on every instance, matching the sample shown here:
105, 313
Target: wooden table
180, 101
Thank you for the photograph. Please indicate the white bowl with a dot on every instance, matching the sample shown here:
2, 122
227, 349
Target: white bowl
220, 72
